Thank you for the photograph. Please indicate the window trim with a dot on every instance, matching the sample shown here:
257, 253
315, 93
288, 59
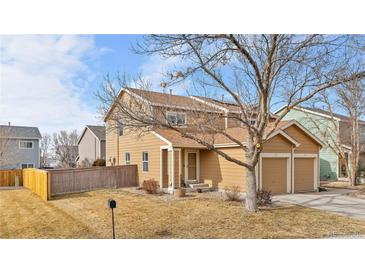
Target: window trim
21, 165
20, 147
125, 158
176, 113
145, 161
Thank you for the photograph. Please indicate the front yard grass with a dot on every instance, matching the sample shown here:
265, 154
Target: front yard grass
24, 215
343, 185
359, 190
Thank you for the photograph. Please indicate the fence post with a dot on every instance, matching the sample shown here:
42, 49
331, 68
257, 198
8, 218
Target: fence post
49, 186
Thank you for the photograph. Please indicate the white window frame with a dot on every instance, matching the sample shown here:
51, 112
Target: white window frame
27, 164
145, 161
26, 142
127, 162
176, 114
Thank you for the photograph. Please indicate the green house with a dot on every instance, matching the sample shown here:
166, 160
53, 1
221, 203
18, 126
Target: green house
321, 124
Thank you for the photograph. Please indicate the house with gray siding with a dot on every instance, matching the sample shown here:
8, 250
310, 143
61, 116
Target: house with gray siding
91, 144
318, 121
19, 147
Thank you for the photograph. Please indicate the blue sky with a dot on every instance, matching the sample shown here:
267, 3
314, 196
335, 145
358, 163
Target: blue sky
49, 81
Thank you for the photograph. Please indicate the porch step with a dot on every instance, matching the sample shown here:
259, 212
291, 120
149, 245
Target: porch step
198, 185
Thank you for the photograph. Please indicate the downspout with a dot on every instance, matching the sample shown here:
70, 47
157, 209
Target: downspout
117, 149
292, 169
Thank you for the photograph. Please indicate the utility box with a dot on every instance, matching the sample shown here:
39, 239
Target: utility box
16, 181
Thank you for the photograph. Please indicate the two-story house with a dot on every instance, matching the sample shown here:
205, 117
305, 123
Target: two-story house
91, 144
321, 124
19, 147
289, 161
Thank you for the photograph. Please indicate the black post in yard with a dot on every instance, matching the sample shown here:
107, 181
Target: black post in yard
113, 223
112, 204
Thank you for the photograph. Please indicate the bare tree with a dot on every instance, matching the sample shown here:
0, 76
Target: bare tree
5, 137
253, 71
45, 150
65, 146
345, 140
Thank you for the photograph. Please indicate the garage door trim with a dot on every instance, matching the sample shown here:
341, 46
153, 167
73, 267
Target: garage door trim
316, 168
288, 168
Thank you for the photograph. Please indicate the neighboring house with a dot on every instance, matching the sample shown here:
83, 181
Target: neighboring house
288, 163
332, 166
91, 144
19, 147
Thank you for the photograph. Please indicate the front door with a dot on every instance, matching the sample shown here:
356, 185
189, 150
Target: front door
191, 166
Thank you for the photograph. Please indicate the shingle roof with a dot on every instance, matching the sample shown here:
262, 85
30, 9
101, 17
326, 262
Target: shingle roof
20, 132
171, 100
328, 113
228, 105
238, 133
99, 131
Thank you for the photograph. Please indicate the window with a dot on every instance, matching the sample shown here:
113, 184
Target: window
27, 166
176, 118
120, 129
144, 161
252, 122
26, 144
127, 158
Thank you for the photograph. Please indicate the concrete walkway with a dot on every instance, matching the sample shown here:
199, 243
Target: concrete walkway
333, 201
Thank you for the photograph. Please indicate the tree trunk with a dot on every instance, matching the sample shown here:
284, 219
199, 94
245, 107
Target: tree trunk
251, 200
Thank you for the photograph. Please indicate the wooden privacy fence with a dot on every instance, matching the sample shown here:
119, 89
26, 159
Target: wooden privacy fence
82, 179
37, 181
46, 183
11, 177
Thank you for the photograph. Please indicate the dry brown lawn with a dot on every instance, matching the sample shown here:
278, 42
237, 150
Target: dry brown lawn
342, 184
359, 189
24, 215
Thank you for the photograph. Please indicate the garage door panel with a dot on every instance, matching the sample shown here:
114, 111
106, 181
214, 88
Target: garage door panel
274, 175
304, 174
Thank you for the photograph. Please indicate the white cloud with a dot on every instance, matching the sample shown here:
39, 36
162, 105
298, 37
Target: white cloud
42, 79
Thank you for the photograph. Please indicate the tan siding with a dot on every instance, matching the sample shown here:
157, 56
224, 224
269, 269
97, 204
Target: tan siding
165, 169
304, 174
274, 175
135, 145
220, 173
193, 118
307, 144
111, 144
277, 144
176, 168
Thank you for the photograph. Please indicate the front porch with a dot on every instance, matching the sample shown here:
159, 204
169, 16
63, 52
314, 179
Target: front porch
180, 167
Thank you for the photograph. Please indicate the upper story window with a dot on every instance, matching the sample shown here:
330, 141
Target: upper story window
144, 161
127, 158
26, 144
176, 118
120, 130
27, 166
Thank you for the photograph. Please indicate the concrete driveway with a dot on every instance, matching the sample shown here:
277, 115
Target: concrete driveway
333, 201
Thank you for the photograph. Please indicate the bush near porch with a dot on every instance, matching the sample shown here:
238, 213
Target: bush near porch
85, 215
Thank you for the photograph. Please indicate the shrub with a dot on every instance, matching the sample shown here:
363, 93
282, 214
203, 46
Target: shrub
99, 162
150, 186
85, 163
233, 193
263, 197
